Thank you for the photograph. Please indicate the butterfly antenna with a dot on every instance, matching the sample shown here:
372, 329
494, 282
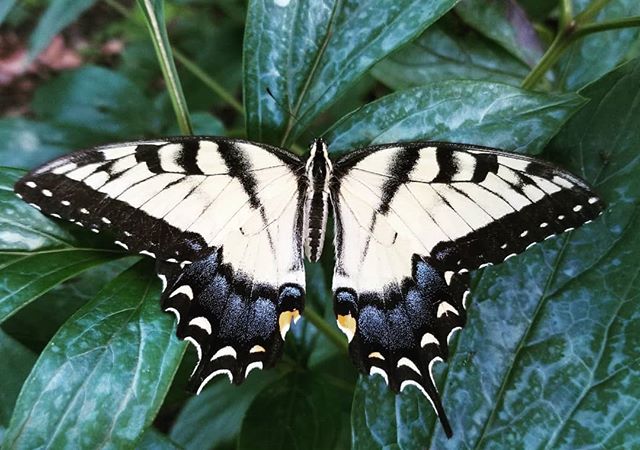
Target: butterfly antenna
287, 110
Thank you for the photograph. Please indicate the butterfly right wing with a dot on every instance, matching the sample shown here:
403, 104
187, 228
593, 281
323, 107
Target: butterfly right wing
412, 219
223, 219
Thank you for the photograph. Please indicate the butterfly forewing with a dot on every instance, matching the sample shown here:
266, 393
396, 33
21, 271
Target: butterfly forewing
222, 218
411, 221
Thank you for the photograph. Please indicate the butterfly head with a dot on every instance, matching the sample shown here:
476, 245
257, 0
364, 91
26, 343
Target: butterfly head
319, 165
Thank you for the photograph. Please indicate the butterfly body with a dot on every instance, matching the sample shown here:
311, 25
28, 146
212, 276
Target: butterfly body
229, 223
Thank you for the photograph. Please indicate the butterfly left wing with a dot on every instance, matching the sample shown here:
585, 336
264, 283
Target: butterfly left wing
222, 218
411, 221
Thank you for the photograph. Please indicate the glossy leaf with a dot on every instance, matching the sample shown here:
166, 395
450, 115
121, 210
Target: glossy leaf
476, 112
58, 15
506, 23
447, 51
35, 253
549, 356
301, 411
104, 375
213, 418
15, 365
593, 56
302, 55
154, 440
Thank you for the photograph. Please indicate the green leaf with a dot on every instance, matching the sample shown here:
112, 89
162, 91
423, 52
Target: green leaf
118, 352
549, 355
213, 418
301, 411
593, 56
15, 365
300, 56
5, 8
476, 112
27, 143
96, 100
58, 15
35, 253
60, 303
152, 439
447, 51
154, 14
505, 22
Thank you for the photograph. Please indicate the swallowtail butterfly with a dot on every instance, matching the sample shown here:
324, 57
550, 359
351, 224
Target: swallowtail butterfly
229, 222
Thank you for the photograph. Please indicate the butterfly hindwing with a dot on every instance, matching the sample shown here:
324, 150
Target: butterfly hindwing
411, 221
223, 219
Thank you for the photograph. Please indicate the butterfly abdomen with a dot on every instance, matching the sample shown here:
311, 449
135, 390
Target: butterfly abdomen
316, 208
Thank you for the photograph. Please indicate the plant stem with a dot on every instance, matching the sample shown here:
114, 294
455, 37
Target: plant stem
572, 32
566, 13
154, 13
323, 327
549, 59
208, 81
627, 22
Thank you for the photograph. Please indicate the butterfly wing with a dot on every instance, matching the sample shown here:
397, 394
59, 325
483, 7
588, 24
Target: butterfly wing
221, 217
411, 221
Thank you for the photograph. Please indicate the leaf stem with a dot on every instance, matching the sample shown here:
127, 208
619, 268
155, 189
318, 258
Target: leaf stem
323, 327
566, 13
154, 13
574, 30
627, 22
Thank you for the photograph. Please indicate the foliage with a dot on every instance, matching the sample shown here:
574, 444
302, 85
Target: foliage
549, 356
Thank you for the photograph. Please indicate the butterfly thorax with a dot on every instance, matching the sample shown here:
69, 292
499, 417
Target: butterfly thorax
316, 205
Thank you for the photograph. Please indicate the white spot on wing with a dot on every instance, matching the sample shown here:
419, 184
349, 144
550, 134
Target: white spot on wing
406, 383
184, 289
65, 203
201, 322
447, 276
577, 208
175, 312
35, 206
148, 253
251, 366
593, 200
427, 339
164, 281
30, 184
445, 308
214, 374
410, 364
225, 351
193, 342
377, 370
121, 244
450, 335
47, 193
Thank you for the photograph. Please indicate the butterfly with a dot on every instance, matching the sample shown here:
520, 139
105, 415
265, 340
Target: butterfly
229, 223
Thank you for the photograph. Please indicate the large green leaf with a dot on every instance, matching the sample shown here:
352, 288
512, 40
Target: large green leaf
58, 15
104, 375
302, 55
447, 51
28, 143
15, 365
302, 411
549, 357
213, 418
35, 253
506, 23
476, 112
593, 56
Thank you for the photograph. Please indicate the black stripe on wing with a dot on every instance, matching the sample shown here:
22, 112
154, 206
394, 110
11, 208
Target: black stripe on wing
401, 332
